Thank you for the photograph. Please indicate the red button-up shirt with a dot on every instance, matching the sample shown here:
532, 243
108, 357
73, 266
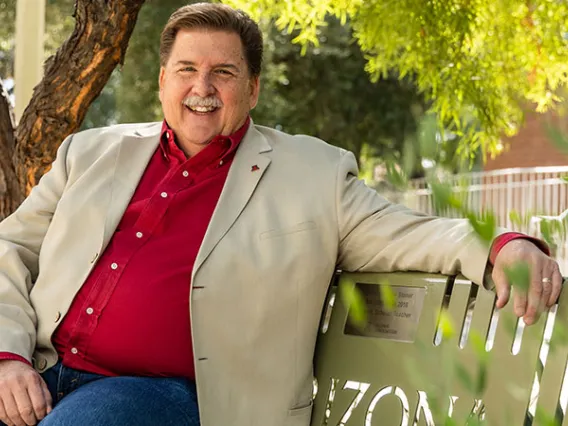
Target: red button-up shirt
131, 316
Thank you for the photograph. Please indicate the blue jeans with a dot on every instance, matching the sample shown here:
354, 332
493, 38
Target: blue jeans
81, 398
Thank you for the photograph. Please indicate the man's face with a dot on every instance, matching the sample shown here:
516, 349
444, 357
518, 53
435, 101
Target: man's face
205, 87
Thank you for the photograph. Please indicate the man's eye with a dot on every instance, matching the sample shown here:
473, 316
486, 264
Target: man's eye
224, 72
188, 69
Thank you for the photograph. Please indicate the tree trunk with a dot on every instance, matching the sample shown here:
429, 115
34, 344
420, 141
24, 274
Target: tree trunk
74, 77
10, 192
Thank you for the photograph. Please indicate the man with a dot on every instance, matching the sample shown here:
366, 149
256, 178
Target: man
157, 262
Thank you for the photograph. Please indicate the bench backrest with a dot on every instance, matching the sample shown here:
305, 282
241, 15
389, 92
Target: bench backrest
400, 369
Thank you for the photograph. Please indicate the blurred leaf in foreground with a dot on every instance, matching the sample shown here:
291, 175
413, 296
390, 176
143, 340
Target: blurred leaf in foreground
446, 326
388, 296
395, 176
519, 275
355, 303
441, 196
547, 231
428, 136
465, 378
485, 226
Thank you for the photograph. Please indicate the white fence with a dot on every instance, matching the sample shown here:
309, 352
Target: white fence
529, 192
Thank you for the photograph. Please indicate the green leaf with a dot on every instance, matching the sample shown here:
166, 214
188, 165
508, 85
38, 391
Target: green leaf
408, 156
515, 218
478, 343
481, 383
427, 136
545, 419
441, 196
519, 275
484, 226
388, 296
547, 231
395, 176
446, 326
355, 303
464, 378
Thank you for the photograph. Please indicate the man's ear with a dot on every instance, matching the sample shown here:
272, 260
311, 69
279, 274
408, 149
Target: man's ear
161, 81
254, 91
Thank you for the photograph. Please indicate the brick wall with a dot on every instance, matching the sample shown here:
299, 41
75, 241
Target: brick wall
531, 147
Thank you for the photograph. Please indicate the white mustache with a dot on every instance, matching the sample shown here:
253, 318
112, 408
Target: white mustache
208, 102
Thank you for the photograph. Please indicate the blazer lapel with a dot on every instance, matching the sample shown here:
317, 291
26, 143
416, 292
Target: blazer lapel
134, 153
247, 169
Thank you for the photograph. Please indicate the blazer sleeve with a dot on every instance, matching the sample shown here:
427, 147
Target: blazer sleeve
21, 237
378, 236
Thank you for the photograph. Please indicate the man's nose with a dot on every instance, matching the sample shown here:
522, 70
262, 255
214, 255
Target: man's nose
203, 85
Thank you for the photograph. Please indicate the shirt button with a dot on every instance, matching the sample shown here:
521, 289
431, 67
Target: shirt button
114, 266
90, 311
185, 173
139, 234
164, 194
74, 351
221, 162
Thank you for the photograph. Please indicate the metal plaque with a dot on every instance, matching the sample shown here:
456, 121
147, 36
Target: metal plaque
399, 323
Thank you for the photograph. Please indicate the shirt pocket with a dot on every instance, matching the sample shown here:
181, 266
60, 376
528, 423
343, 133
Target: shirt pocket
299, 227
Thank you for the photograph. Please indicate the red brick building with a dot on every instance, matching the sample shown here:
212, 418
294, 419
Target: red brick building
531, 147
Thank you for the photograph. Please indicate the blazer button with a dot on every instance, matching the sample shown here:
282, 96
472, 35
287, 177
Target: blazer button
94, 258
57, 317
39, 364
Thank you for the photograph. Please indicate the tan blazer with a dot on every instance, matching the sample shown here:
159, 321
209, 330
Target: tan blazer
274, 241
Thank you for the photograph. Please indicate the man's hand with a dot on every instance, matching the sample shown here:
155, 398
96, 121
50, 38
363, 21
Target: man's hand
545, 280
24, 397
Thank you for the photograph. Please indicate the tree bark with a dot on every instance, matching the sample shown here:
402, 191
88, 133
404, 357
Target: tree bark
74, 77
10, 193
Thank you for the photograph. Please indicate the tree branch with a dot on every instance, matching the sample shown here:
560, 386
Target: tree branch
7, 121
10, 194
74, 77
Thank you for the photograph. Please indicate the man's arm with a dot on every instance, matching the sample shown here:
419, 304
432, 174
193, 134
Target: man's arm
24, 397
376, 235
21, 237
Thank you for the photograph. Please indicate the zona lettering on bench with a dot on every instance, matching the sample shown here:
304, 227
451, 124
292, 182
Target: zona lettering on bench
422, 407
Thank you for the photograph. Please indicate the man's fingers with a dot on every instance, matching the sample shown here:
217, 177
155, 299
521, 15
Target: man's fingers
37, 397
24, 404
556, 285
3, 416
12, 410
23, 393
519, 301
47, 397
547, 285
502, 287
536, 291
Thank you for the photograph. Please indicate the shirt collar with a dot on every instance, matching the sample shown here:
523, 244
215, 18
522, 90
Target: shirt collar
168, 143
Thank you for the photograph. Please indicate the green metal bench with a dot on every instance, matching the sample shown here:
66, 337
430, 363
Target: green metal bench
400, 369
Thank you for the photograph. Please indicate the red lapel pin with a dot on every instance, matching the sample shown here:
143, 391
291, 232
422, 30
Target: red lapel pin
254, 168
